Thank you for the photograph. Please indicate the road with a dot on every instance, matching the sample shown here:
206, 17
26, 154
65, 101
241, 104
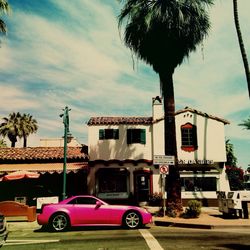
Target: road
154, 237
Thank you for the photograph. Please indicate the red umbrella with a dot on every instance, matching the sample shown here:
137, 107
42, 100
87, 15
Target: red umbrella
20, 175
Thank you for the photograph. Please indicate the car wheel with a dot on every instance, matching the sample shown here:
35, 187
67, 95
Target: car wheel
132, 220
59, 222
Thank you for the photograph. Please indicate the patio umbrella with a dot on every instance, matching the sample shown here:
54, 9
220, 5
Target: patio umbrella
20, 175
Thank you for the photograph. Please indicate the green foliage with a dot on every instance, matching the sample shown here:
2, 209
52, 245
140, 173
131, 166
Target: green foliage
163, 33
193, 209
236, 178
16, 126
4, 9
3, 143
171, 210
231, 158
246, 124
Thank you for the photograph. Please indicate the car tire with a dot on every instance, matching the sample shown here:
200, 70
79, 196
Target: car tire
132, 220
59, 222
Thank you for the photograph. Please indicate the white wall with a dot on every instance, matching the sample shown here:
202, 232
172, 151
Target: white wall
118, 149
210, 138
58, 142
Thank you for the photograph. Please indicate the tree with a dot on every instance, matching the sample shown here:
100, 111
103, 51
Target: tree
18, 126
241, 43
28, 126
10, 127
246, 124
231, 158
3, 143
163, 33
4, 9
234, 173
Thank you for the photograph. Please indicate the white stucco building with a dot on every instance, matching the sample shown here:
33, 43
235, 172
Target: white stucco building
122, 149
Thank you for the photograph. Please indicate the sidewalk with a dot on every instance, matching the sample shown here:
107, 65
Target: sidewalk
210, 218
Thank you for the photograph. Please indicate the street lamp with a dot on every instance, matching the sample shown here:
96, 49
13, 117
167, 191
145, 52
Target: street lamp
67, 138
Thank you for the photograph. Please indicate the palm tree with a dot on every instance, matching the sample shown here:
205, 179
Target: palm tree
241, 43
246, 123
10, 127
28, 126
3, 143
4, 8
162, 33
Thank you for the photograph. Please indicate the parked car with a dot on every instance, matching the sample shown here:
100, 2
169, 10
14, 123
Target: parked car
85, 210
3, 230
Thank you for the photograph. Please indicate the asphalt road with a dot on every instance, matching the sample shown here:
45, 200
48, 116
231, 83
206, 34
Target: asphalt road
154, 237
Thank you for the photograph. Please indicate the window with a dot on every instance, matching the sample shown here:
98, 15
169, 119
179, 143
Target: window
83, 201
112, 180
136, 136
189, 137
106, 134
198, 183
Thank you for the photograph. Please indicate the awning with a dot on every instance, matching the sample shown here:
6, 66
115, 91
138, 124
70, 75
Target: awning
43, 167
22, 174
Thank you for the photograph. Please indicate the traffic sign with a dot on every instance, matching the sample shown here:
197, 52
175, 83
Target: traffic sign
164, 160
164, 169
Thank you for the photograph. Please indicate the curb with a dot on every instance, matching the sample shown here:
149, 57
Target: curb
199, 226
183, 225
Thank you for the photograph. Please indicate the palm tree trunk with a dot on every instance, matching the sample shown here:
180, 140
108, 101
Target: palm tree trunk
241, 44
13, 144
173, 179
24, 141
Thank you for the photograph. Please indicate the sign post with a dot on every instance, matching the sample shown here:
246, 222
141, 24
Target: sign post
164, 161
164, 170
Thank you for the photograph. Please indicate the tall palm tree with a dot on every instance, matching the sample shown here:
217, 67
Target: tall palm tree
4, 8
241, 43
246, 124
10, 127
28, 126
162, 33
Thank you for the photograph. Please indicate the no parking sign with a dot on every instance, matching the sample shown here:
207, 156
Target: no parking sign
164, 169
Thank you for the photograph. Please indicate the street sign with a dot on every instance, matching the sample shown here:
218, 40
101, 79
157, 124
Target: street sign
164, 160
164, 169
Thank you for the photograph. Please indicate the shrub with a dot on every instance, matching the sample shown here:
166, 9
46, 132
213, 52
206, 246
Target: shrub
193, 209
155, 199
170, 210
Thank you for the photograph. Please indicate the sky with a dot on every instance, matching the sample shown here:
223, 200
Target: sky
61, 53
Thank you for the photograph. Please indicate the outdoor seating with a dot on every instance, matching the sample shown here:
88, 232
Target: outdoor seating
16, 209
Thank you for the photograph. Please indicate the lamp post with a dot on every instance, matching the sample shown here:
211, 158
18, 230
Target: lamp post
67, 138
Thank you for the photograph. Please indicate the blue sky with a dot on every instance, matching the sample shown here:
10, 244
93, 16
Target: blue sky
60, 53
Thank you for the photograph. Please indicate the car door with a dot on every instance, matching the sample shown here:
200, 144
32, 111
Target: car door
87, 212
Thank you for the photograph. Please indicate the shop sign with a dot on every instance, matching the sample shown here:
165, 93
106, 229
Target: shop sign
113, 195
201, 162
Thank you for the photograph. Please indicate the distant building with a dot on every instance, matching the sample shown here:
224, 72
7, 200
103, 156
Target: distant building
58, 142
122, 150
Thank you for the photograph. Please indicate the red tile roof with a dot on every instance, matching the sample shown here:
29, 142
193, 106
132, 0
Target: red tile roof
119, 120
144, 120
186, 109
41, 153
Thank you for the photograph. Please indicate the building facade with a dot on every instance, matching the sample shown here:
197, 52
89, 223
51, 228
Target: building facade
122, 149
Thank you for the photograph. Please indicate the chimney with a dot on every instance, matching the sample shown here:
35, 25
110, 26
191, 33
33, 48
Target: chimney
157, 111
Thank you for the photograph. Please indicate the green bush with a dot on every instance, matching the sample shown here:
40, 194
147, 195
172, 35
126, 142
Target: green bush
193, 209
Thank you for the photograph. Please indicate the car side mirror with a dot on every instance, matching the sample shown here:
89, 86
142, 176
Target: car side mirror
98, 204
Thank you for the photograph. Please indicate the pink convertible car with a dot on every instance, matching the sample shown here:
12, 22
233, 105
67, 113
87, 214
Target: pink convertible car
88, 210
